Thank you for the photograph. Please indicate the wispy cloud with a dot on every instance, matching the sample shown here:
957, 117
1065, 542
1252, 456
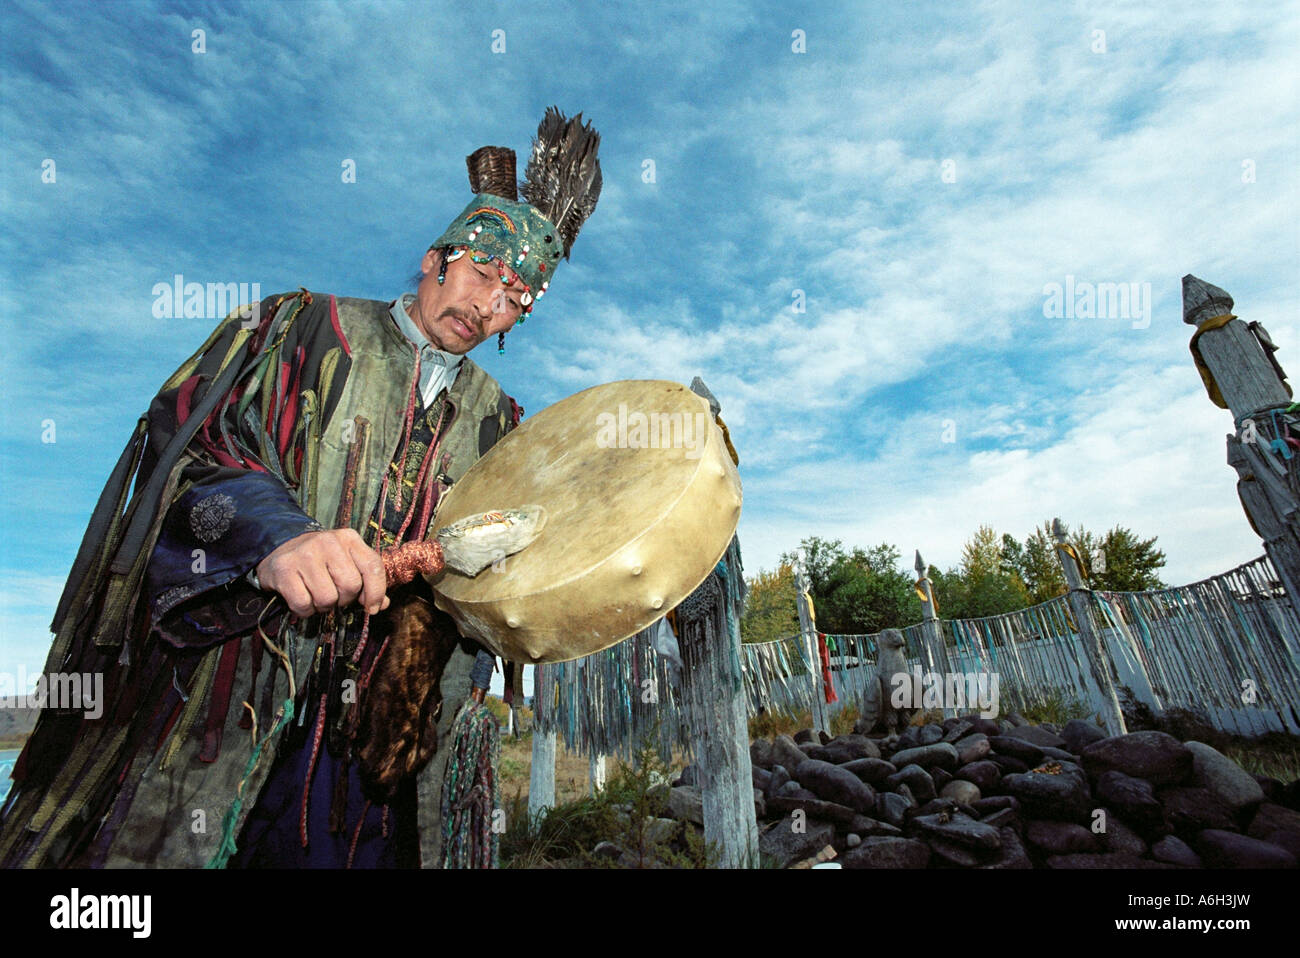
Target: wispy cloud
913, 180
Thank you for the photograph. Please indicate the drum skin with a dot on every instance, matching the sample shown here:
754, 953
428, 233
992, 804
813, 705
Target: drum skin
641, 498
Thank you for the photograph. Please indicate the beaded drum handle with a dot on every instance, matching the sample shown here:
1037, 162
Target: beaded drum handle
403, 563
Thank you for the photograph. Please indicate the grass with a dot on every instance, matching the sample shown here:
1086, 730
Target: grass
566, 837
572, 772
1058, 708
771, 724
1275, 755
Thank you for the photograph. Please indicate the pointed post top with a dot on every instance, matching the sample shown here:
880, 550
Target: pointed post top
800, 570
920, 564
698, 387
1201, 300
1057, 531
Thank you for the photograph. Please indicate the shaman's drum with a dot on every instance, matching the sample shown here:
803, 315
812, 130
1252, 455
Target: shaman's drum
641, 498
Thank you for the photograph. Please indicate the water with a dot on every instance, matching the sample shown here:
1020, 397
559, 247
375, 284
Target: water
7, 759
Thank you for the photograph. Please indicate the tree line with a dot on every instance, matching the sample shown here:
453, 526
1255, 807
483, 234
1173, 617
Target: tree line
859, 591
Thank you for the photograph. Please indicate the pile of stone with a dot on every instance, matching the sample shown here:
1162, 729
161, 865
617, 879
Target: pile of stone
979, 793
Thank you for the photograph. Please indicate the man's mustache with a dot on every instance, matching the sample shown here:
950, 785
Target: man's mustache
466, 319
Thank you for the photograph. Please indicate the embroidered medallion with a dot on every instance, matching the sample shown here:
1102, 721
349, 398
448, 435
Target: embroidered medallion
210, 517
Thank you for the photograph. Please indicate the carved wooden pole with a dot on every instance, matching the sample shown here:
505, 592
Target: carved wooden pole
713, 687
808, 632
1080, 598
541, 774
1250, 383
930, 626
596, 773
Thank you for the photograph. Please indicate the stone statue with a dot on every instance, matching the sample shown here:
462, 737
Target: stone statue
878, 711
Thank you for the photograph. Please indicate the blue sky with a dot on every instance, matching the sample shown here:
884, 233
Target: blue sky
921, 172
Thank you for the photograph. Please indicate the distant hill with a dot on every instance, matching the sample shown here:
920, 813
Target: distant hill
16, 724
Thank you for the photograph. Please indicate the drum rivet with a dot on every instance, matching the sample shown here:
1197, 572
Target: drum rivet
513, 623
636, 570
657, 604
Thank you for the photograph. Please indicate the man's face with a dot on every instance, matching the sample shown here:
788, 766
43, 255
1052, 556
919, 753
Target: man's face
469, 307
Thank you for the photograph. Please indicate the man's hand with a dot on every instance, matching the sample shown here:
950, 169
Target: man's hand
318, 571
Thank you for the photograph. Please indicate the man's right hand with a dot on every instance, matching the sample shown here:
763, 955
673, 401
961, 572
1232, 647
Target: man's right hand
326, 569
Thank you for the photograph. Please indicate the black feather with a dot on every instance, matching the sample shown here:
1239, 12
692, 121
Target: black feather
562, 179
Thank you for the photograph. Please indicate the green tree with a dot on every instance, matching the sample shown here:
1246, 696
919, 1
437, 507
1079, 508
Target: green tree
948, 592
987, 582
860, 591
820, 556
1013, 557
1040, 569
1130, 563
770, 611
868, 592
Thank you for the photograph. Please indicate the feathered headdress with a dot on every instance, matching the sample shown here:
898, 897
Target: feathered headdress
559, 191
562, 180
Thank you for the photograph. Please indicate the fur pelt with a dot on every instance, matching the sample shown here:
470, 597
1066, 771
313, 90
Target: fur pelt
397, 733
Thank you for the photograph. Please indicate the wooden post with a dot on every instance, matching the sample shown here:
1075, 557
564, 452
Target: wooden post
808, 631
1080, 598
541, 777
596, 773
720, 739
931, 628
1239, 357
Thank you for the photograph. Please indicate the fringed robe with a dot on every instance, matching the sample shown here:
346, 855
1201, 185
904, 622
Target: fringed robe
303, 417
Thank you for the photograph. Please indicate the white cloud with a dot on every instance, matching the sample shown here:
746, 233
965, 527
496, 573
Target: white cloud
776, 172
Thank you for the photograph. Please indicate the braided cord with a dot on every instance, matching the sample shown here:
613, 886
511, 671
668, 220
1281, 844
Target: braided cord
469, 793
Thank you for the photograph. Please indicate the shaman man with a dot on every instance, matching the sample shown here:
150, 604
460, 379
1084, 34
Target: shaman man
257, 661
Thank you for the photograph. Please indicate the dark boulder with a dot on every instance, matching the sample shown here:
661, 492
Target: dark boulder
1061, 838
836, 784
1079, 734
1174, 850
1135, 801
784, 844
885, 852
1027, 752
1060, 795
1155, 756
1222, 849
915, 778
1037, 735
1192, 810
1007, 764
986, 776
873, 771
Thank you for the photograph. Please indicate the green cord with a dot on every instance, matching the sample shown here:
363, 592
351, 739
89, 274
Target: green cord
227, 846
